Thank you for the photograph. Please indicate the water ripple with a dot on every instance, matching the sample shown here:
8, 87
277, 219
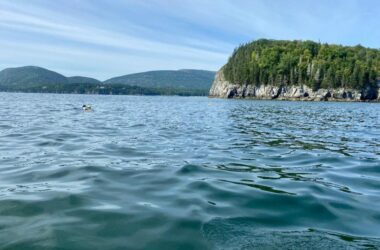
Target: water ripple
216, 174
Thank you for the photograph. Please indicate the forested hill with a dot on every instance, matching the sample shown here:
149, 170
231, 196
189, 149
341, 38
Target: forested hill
165, 82
179, 79
316, 65
23, 77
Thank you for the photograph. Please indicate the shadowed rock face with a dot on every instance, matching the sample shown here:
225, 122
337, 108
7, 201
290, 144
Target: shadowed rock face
225, 89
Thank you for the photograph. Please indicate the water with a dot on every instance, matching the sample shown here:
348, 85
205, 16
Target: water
187, 173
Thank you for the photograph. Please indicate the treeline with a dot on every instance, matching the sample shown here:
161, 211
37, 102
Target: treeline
101, 89
317, 65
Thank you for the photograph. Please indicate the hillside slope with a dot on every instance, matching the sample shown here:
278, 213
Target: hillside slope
165, 82
27, 76
178, 79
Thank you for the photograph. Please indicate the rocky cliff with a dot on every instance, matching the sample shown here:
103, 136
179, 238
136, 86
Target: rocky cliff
225, 89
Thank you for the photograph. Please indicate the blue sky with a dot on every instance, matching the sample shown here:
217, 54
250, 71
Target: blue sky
106, 38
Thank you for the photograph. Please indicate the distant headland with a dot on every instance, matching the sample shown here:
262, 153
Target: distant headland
300, 70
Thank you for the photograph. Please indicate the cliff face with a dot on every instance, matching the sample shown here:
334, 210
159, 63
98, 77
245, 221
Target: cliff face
224, 89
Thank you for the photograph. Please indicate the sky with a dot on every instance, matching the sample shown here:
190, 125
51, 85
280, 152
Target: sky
107, 38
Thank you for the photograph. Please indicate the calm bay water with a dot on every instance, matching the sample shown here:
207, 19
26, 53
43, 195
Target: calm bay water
187, 173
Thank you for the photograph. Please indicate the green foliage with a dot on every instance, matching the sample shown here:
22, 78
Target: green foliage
317, 65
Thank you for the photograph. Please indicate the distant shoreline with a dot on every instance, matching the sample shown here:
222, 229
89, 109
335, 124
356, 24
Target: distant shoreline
98, 94
205, 96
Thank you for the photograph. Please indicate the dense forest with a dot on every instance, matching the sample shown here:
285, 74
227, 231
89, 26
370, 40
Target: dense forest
317, 65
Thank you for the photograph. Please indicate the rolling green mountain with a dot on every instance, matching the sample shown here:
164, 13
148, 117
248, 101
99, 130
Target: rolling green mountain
175, 79
28, 76
166, 82
283, 63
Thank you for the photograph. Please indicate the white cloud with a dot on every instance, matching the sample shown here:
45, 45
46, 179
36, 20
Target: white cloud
107, 38
110, 46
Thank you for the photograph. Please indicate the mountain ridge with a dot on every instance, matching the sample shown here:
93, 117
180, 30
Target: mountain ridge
161, 82
183, 78
30, 75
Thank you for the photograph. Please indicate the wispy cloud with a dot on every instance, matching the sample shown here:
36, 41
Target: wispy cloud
106, 38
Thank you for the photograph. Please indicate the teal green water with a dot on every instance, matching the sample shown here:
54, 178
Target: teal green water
187, 173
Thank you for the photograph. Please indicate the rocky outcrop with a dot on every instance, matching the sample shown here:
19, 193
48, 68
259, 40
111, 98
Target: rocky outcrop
224, 89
